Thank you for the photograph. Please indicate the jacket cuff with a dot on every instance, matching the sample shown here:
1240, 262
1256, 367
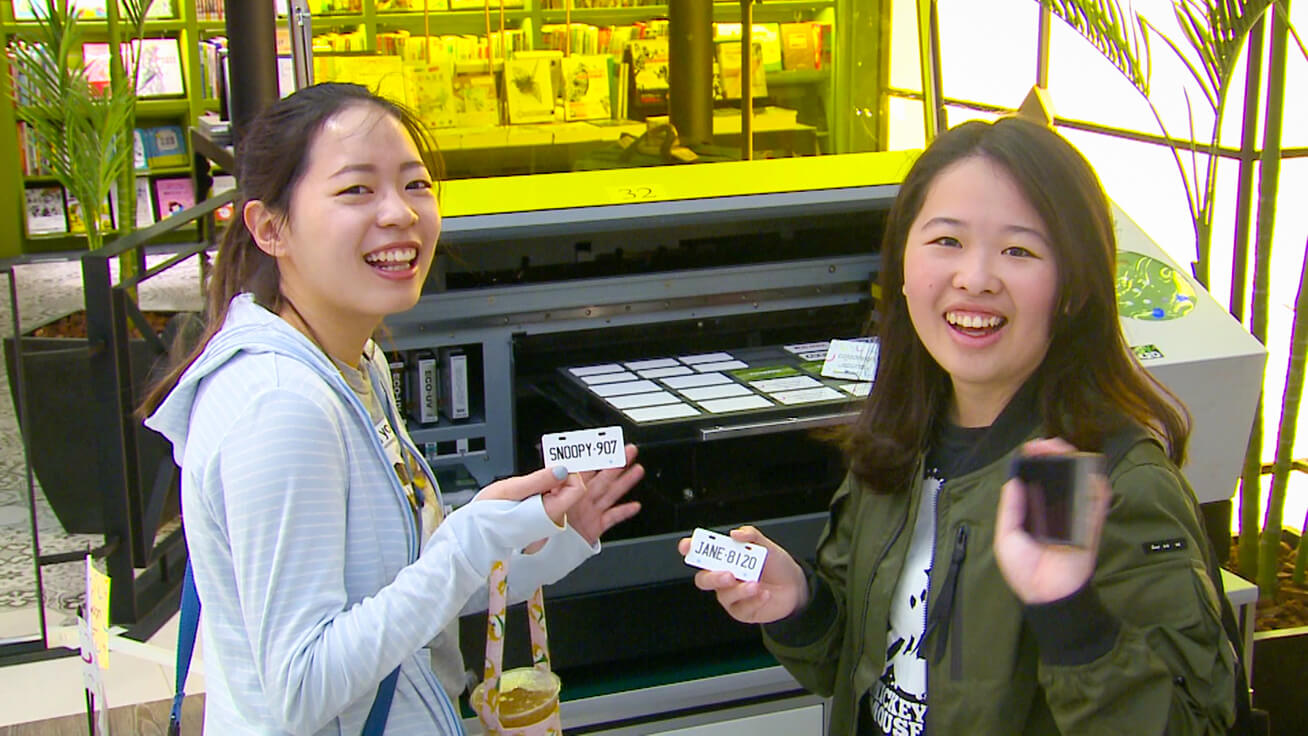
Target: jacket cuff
494, 529
1075, 630
807, 624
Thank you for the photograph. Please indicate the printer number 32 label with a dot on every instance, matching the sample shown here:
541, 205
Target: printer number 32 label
636, 193
585, 449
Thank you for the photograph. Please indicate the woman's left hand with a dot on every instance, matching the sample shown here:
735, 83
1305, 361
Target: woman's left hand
599, 510
1038, 572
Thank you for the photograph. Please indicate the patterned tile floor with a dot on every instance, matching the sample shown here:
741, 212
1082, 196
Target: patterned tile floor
46, 291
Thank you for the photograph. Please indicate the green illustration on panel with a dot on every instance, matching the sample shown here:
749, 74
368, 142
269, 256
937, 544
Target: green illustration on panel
1149, 289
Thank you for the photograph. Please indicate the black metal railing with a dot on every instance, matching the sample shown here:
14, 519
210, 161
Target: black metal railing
145, 567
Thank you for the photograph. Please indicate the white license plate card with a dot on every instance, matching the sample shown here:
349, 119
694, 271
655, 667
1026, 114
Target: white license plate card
713, 551
585, 449
851, 359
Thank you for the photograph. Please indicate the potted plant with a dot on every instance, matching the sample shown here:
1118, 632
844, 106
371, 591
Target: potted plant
85, 131
1216, 33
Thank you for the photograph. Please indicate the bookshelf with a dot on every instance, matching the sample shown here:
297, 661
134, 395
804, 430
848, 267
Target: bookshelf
813, 92
173, 111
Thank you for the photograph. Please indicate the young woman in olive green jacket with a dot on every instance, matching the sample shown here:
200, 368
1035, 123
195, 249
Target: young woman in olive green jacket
931, 610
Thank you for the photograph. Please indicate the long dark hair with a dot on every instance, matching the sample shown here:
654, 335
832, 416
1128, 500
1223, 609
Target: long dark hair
1089, 384
270, 162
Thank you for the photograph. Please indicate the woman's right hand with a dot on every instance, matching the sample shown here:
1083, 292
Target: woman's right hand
780, 591
561, 490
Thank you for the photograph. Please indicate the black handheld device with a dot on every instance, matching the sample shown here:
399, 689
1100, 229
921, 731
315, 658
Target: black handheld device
1058, 495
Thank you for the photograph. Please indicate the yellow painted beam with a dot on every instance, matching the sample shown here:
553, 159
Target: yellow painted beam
668, 183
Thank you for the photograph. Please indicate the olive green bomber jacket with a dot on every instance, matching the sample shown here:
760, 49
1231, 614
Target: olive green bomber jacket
1139, 651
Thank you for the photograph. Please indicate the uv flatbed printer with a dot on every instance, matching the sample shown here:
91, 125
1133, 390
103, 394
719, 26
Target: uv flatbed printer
689, 305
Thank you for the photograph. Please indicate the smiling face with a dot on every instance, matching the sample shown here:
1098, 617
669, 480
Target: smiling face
361, 231
981, 285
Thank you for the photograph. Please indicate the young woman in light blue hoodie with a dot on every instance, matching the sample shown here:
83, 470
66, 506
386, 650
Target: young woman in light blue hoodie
319, 548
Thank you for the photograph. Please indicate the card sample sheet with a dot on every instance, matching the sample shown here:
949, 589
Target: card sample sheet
710, 386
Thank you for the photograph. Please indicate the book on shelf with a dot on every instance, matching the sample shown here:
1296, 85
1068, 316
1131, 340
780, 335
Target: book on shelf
797, 46
649, 70
529, 87
555, 59
586, 87
766, 35
223, 183
430, 90
45, 210
160, 72
728, 85
594, 4
481, 4
577, 38
341, 41
95, 60
36, 158
144, 202
173, 194
214, 127
335, 6
77, 218
213, 60
164, 9
285, 76
822, 34
210, 9
27, 9
165, 146
476, 99
140, 161
384, 75
409, 6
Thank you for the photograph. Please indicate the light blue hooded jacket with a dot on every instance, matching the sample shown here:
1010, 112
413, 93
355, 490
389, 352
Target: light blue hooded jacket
313, 582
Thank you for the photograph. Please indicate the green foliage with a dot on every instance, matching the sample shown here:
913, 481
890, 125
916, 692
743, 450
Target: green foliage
85, 131
1216, 32
1121, 40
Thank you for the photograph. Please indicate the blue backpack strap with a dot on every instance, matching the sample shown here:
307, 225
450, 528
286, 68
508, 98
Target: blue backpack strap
381, 706
190, 619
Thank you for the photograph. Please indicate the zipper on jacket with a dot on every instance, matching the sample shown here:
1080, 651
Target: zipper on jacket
867, 597
940, 613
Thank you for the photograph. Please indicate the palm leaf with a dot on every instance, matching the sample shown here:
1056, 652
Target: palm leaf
86, 132
1216, 30
1120, 39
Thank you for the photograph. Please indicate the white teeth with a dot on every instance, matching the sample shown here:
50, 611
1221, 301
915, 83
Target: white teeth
396, 255
973, 321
